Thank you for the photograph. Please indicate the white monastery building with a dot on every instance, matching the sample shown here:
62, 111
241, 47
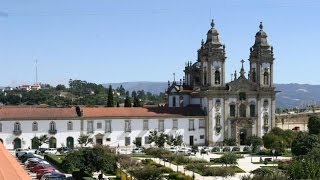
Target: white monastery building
202, 107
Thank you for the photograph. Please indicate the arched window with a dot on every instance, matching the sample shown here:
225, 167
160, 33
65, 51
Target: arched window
252, 110
17, 126
217, 77
52, 126
242, 110
34, 126
265, 78
70, 125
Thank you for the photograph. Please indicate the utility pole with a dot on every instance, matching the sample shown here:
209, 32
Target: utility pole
36, 71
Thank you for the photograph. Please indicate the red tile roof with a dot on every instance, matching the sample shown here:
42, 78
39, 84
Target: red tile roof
9, 167
25, 113
36, 113
140, 112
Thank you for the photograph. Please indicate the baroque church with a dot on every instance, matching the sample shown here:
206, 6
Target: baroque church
238, 109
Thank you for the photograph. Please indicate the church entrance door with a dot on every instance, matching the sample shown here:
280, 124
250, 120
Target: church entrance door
243, 136
191, 140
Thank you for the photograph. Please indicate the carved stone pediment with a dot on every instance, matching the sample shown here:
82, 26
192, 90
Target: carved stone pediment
242, 84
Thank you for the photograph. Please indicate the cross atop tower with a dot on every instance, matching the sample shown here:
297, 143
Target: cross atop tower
242, 69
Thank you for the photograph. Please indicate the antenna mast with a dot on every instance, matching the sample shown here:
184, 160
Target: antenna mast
36, 71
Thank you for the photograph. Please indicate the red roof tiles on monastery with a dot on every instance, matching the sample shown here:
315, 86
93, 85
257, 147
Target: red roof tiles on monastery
34, 113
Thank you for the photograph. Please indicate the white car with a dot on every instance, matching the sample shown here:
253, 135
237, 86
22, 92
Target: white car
51, 151
19, 152
137, 150
173, 149
184, 150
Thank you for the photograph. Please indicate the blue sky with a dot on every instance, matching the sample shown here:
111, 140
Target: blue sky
119, 41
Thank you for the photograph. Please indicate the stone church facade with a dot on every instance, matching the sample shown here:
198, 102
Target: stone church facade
243, 107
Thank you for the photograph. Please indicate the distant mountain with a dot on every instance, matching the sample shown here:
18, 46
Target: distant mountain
297, 95
290, 95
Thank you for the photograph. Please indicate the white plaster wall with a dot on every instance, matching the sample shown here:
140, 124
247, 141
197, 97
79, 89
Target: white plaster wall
171, 100
195, 101
43, 127
117, 136
186, 100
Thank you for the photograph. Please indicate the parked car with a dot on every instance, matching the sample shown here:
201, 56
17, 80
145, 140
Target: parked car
40, 150
41, 172
25, 157
205, 150
173, 149
32, 160
37, 168
34, 164
184, 150
21, 152
63, 150
51, 151
137, 150
53, 175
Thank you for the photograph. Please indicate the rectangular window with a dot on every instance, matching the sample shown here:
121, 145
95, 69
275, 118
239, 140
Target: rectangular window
145, 125
0, 127
201, 136
35, 126
127, 141
173, 101
232, 110
90, 126
99, 125
108, 139
69, 126
202, 123
146, 140
161, 125
108, 126
174, 124
127, 126
252, 110
191, 124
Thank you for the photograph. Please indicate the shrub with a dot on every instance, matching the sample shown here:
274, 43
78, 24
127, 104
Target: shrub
80, 175
236, 149
215, 149
229, 158
157, 152
146, 173
246, 149
181, 159
230, 142
55, 160
226, 149
165, 170
179, 176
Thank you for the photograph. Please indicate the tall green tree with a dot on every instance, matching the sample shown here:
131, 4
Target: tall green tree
314, 124
110, 102
158, 138
127, 102
255, 141
85, 139
96, 159
304, 143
